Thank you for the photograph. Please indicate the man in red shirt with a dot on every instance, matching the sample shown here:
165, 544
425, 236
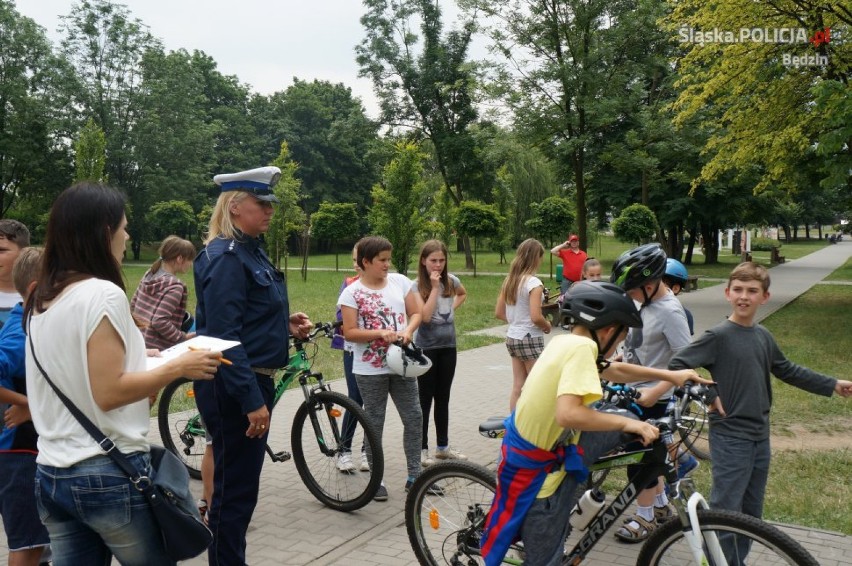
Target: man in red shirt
572, 261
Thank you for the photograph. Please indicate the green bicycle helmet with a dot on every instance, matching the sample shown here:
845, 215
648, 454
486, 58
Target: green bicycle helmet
634, 268
597, 304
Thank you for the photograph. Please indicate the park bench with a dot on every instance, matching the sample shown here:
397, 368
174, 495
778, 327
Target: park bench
691, 283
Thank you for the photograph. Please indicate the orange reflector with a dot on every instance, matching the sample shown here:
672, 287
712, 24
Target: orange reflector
434, 520
334, 412
190, 392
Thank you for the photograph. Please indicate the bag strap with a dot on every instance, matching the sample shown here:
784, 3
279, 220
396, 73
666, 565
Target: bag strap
139, 481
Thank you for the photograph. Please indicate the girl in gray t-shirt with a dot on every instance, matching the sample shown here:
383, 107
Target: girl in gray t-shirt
442, 294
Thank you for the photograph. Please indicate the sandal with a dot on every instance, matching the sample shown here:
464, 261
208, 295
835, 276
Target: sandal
628, 533
664, 513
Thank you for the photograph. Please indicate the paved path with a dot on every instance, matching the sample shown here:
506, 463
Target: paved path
290, 527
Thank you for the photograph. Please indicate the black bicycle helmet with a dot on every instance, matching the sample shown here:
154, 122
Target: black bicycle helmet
596, 304
639, 266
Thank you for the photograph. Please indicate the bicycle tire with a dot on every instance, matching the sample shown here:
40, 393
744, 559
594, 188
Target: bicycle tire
181, 430
667, 544
694, 429
446, 528
318, 469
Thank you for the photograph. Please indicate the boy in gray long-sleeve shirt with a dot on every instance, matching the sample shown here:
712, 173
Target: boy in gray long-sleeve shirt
740, 356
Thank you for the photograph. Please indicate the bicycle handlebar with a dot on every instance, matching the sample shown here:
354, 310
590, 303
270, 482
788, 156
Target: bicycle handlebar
326, 328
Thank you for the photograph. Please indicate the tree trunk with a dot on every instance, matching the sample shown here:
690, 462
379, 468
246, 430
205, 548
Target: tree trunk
711, 244
578, 164
690, 246
468, 256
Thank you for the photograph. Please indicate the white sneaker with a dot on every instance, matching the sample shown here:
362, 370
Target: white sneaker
425, 459
449, 454
365, 462
344, 463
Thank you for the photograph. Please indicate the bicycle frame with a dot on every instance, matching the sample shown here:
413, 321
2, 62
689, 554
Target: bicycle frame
686, 500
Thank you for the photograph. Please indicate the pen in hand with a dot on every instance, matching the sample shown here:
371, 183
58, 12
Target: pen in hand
221, 359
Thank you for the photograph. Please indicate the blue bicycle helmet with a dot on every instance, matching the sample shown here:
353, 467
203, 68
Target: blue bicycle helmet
676, 271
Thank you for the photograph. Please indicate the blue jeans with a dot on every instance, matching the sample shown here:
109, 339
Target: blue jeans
546, 524
92, 513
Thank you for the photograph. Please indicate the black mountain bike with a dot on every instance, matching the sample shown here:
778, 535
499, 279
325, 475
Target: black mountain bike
448, 528
316, 436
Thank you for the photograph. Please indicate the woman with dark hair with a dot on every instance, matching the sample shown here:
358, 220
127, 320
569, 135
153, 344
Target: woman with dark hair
83, 335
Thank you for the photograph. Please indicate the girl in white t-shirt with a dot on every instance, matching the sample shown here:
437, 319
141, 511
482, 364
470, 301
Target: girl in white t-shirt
519, 304
378, 310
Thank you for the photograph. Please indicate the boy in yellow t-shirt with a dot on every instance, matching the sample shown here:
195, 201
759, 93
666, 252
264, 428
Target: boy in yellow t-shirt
543, 454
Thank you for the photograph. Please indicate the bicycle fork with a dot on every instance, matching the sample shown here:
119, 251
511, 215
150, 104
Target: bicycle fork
699, 544
316, 407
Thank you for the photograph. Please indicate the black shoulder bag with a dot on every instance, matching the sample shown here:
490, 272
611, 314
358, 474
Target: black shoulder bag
167, 489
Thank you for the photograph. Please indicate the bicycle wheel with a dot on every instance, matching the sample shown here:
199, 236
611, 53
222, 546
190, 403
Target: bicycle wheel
740, 536
181, 429
318, 444
446, 528
694, 429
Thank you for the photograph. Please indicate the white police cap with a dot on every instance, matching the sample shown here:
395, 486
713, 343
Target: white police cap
258, 182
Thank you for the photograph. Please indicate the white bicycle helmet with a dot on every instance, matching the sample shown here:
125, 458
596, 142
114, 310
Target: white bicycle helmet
405, 365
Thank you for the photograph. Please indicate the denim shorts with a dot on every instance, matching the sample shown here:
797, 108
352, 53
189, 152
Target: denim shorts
17, 505
93, 512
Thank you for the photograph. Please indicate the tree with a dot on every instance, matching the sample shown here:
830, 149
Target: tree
330, 137
173, 143
425, 83
335, 222
572, 68
289, 218
33, 159
171, 217
105, 46
89, 153
767, 113
636, 224
400, 202
551, 218
479, 220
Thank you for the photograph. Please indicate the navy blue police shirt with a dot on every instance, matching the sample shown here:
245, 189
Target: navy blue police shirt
241, 296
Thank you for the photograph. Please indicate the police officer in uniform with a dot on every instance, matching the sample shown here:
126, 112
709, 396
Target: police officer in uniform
241, 296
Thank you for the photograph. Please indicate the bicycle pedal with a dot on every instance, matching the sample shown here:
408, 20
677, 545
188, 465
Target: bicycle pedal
282, 456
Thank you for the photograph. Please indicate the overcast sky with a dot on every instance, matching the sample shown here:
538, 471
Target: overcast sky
263, 42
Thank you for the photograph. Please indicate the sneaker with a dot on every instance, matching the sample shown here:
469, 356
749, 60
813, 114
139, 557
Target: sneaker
687, 465
344, 463
425, 459
449, 454
433, 489
381, 493
365, 462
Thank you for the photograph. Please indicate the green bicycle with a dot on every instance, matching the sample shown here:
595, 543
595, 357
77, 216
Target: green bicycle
317, 437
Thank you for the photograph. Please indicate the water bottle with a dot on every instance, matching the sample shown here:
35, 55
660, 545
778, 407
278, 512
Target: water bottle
587, 508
